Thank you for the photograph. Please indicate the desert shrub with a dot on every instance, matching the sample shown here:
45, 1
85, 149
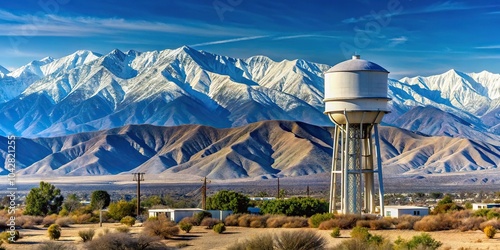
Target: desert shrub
54, 232
344, 221
8, 237
49, 220
51, 245
299, 240
316, 219
198, 217
360, 233
190, 220
160, 226
364, 245
86, 235
185, 226
219, 228
363, 223
490, 231
295, 206
335, 232
209, 223
380, 224
128, 220
123, 241
406, 222
461, 214
437, 223
277, 221
82, 219
295, 222
232, 220
494, 223
28, 221
259, 242
472, 223
422, 241
123, 229
64, 221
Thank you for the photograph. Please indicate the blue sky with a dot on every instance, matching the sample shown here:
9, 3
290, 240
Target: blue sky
408, 37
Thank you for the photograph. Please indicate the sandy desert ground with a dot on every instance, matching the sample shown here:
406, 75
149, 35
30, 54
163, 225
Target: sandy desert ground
202, 239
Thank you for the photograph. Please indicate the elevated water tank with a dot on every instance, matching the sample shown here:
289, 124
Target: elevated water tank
356, 92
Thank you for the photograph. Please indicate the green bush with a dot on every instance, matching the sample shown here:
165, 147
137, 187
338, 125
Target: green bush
299, 240
360, 233
86, 235
422, 241
490, 231
219, 228
493, 214
54, 232
128, 220
335, 232
7, 237
316, 219
481, 212
185, 226
295, 206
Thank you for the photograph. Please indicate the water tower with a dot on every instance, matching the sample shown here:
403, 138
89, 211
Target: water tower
355, 101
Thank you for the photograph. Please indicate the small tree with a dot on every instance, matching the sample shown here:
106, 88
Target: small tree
54, 232
120, 209
43, 200
228, 200
99, 199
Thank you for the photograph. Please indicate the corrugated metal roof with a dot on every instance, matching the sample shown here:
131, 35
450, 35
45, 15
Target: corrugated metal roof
356, 64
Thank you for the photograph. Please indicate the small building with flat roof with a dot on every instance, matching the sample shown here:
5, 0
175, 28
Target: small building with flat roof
398, 211
476, 206
177, 214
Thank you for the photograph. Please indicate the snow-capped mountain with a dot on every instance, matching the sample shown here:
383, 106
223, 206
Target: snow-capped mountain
86, 91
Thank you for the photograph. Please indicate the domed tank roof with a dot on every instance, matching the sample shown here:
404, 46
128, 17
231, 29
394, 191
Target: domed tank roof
356, 64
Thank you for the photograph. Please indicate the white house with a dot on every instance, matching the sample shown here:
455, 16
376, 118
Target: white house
177, 214
476, 206
174, 214
398, 211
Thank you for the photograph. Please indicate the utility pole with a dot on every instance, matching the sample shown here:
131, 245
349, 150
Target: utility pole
307, 191
138, 177
204, 194
278, 194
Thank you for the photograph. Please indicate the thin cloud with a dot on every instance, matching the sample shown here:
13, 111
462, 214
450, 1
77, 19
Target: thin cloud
302, 36
488, 47
80, 26
437, 7
228, 41
397, 41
